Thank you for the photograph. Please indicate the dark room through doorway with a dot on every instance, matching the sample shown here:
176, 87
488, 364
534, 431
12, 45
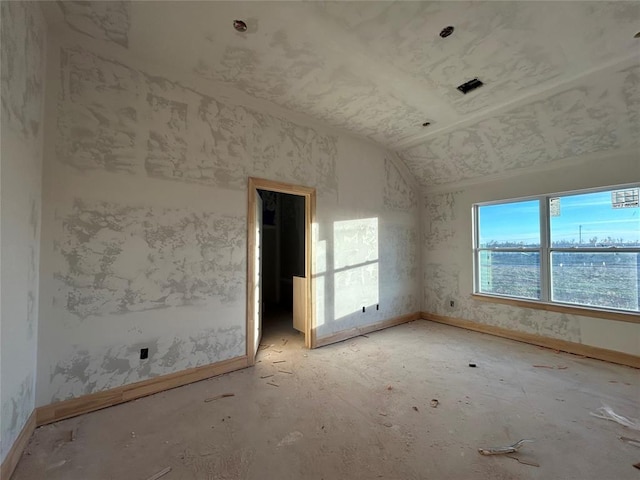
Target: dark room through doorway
282, 265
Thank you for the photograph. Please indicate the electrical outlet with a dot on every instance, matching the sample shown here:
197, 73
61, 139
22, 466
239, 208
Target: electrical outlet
144, 353
452, 303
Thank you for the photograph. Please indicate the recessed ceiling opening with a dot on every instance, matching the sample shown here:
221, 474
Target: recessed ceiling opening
240, 26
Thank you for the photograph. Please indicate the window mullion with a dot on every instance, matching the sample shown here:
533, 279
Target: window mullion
545, 258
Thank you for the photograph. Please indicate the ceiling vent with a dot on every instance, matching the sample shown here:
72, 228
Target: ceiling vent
470, 86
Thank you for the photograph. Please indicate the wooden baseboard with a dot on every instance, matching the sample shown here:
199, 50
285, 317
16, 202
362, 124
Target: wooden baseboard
560, 308
354, 332
13, 457
96, 401
553, 343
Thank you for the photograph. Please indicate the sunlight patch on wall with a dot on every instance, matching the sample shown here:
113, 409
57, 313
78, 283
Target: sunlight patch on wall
320, 268
355, 244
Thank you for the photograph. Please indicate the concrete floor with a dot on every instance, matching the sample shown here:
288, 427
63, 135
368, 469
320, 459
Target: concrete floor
361, 409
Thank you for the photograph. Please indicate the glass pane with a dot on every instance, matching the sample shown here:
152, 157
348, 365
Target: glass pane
600, 219
515, 274
509, 224
602, 279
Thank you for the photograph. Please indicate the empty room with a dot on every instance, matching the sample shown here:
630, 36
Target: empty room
319, 240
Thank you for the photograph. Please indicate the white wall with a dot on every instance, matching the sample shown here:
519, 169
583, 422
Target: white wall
144, 219
448, 257
23, 36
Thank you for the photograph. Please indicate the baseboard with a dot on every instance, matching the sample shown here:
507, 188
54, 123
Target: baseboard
354, 332
553, 343
13, 457
96, 401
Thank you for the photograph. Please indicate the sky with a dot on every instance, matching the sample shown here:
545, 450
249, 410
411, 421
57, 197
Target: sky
588, 215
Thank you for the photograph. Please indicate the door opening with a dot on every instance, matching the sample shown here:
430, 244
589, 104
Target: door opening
279, 290
282, 265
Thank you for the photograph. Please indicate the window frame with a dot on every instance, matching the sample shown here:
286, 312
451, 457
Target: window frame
545, 251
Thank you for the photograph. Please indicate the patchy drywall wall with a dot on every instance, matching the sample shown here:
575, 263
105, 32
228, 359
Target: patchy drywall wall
22, 66
596, 116
125, 259
105, 20
144, 220
188, 136
448, 257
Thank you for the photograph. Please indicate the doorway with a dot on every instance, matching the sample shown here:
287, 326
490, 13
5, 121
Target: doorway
278, 260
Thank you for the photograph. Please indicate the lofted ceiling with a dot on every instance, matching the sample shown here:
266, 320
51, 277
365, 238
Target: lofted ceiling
562, 79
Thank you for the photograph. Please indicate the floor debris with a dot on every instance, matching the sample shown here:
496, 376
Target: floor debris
266, 376
502, 450
637, 465
161, 473
472, 365
56, 465
274, 384
435, 403
279, 361
607, 413
285, 371
293, 437
415, 408
632, 441
524, 462
557, 367
218, 397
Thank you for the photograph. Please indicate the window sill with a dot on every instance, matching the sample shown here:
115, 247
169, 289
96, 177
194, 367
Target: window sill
555, 307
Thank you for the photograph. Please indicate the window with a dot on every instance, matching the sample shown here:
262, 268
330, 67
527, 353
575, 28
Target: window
579, 248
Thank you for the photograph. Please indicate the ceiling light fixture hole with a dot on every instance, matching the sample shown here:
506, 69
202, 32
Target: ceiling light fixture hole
446, 31
240, 26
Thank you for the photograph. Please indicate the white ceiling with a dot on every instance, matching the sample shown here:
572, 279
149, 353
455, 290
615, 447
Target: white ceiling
561, 78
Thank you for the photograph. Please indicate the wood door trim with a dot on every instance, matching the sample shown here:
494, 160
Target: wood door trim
309, 194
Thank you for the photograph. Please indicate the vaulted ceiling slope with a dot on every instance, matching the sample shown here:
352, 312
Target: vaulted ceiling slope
561, 78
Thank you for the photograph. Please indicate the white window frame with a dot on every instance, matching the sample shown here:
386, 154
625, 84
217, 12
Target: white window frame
545, 248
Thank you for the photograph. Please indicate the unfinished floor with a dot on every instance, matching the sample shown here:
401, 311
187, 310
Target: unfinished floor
361, 409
